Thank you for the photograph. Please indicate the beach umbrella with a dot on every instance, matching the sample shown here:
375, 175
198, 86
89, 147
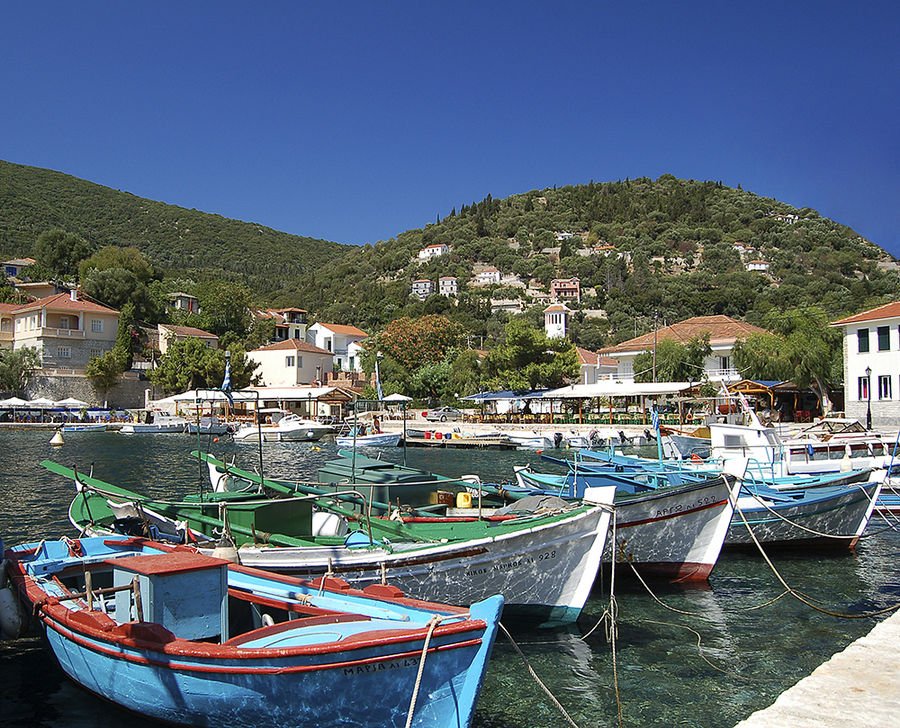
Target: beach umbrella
41, 403
13, 402
397, 398
70, 403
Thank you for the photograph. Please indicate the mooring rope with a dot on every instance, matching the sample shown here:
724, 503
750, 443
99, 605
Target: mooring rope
534, 675
797, 595
787, 520
432, 624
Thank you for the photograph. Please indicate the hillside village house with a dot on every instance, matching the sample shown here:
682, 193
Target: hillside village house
340, 340
291, 362
12, 268
38, 289
565, 288
290, 323
594, 367
872, 365
433, 251
169, 334
184, 302
447, 286
6, 325
422, 288
758, 265
66, 330
487, 276
723, 331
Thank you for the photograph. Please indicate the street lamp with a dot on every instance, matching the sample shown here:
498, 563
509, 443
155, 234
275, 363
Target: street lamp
868, 398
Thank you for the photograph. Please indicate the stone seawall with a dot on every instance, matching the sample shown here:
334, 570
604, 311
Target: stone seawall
129, 393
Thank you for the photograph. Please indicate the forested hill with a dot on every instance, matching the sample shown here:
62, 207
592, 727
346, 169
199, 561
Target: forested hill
184, 243
672, 247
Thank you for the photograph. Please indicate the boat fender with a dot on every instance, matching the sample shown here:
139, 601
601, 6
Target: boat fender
358, 540
226, 551
12, 616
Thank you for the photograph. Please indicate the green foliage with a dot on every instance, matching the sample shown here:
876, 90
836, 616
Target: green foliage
802, 348
528, 360
120, 276
16, 368
127, 337
58, 253
224, 307
675, 362
190, 364
104, 371
417, 342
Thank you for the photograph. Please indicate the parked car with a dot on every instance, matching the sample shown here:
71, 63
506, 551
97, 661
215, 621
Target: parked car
442, 414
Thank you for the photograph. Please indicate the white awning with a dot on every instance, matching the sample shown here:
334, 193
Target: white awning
617, 389
13, 402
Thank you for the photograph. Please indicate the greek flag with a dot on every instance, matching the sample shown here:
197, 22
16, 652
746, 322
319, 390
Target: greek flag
655, 419
378, 382
226, 383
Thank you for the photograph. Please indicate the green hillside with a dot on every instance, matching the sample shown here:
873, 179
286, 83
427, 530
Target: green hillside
676, 248
184, 243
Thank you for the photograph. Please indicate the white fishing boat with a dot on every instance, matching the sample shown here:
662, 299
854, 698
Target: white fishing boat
155, 423
529, 440
380, 439
84, 427
211, 426
283, 427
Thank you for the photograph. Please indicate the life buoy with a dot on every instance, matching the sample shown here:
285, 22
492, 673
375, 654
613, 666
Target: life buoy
695, 458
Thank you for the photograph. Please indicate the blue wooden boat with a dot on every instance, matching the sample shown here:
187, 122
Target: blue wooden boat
193, 640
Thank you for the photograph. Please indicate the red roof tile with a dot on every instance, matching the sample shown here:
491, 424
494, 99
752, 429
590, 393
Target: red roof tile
887, 311
188, 331
721, 329
293, 345
343, 329
64, 302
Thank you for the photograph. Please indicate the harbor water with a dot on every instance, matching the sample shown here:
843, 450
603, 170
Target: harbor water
712, 663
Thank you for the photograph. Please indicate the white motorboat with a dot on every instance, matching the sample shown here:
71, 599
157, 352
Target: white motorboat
529, 440
211, 426
284, 427
155, 423
380, 439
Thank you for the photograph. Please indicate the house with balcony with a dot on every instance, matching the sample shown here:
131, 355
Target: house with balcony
487, 277
723, 331
433, 251
447, 286
292, 362
565, 289
66, 330
757, 265
290, 323
170, 334
6, 325
872, 365
422, 288
342, 341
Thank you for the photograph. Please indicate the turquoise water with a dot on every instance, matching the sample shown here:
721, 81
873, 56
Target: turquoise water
745, 658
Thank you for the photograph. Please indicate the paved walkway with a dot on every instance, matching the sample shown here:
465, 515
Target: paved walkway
857, 687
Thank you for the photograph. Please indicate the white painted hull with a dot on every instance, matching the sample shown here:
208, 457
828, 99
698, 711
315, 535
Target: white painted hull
545, 572
381, 440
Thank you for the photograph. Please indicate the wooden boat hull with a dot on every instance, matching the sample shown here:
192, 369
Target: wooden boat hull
385, 439
842, 513
353, 671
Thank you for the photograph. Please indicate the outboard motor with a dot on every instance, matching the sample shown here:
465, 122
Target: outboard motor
557, 440
623, 439
649, 436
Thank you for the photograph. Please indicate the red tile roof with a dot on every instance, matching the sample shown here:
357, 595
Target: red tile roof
557, 307
587, 357
188, 331
887, 311
721, 329
293, 345
64, 302
343, 329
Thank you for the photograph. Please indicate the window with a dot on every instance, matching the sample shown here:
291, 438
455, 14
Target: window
724, 362
300, 362
97, 326
63, 322
289, 361
884, 338
64, 352
96, 352
862, 336
351, 363
884, 386
862, 387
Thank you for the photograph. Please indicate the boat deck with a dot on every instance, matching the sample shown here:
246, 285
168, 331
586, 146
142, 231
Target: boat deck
856, 686
489, 443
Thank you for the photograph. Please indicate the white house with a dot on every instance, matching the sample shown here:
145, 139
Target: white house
337, 339
422, 288
487, 276
759, 265
447, 286
723, 332
556, 320
290, 323
872, 365
433, 251
291, 362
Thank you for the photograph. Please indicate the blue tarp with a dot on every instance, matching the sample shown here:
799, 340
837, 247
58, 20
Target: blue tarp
506, 394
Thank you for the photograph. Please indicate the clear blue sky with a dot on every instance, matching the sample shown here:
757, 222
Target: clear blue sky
355, 121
